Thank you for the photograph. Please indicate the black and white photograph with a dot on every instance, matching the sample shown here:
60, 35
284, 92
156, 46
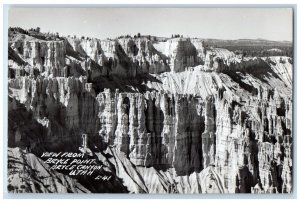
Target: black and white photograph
155, 100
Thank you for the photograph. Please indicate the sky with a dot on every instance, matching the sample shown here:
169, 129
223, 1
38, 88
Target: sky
217, 23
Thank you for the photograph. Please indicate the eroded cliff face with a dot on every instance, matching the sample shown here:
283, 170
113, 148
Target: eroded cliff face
167, 117
243, 137
182, 52
124, 57
150, 128
57, 104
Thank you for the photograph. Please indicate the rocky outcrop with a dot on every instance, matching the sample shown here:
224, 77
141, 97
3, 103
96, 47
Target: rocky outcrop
41, 53
182, 53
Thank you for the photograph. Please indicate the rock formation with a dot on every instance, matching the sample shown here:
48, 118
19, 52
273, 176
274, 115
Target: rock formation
163, 116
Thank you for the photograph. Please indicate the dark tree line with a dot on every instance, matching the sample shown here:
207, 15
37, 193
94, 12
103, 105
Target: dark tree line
176, 36
253, 51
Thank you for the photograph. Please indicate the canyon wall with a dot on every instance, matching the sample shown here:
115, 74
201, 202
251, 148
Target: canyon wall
125, 57
193, 116
164, 131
